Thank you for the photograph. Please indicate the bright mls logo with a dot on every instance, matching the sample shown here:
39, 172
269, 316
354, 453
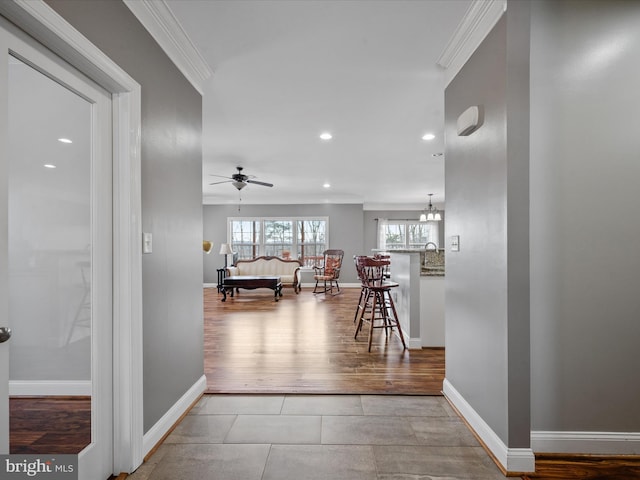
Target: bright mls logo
50, 467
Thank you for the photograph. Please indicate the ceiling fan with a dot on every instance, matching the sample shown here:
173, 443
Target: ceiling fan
240, 180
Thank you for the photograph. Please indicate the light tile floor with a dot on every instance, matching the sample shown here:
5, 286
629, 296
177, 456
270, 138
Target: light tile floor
323, 437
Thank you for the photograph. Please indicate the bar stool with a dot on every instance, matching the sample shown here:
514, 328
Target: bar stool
364, 274
382, 271
387, 270
377, 306
363, 290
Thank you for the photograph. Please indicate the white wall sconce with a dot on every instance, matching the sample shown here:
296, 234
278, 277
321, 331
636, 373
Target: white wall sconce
470, 120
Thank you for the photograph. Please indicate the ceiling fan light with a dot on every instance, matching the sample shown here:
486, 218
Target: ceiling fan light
239, 185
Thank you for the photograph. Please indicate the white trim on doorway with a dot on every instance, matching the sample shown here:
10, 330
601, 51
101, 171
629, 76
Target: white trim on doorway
40, 21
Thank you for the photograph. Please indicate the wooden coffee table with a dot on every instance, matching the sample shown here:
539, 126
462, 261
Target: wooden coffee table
251, 282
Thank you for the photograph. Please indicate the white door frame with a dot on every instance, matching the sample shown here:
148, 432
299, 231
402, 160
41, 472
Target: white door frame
44, 24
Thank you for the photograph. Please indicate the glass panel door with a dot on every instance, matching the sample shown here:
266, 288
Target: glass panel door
50, 267
56, 204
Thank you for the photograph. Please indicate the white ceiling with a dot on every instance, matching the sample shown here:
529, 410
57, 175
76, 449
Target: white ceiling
285, 71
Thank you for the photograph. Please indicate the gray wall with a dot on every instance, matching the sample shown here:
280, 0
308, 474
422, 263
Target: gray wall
585, 166
487, 290
171, 199
345, 230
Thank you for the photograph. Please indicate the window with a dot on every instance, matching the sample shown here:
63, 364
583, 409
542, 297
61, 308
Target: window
245, 237
301, 238
278, 238
405, 234
312, 241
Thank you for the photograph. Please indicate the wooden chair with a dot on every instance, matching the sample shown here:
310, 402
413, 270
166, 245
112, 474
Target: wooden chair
387, 269
377, 306
358, 261
329, 272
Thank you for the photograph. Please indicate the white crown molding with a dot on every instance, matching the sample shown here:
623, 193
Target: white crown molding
474, 27
511, 460
278, 200
157, 18
589, 443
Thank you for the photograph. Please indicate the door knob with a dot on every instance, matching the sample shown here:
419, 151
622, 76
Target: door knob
5, 334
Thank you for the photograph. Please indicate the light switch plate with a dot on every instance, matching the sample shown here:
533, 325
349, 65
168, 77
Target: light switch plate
147, 243
455, 243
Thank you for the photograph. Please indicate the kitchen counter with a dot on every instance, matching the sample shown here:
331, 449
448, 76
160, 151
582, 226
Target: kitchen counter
432, 272
431, 261
419, 297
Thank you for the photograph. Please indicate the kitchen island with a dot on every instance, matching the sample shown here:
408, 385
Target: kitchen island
419, 298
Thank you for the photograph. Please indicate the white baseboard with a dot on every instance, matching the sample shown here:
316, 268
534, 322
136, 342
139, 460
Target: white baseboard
37, 388
210, 285
414, 343
586, 443
520, 460
168, 420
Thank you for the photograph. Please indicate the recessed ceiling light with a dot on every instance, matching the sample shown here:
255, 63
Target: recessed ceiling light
326, 185
326, 136
428, 136
64, 140
439, 154
48, 165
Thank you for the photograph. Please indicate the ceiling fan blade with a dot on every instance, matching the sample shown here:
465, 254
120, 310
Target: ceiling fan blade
224, 181
221, 176
264, 184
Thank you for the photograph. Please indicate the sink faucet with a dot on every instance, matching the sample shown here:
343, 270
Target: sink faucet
435, 247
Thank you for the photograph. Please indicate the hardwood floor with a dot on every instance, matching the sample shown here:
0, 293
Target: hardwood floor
563, 467
301, 344
304, 344
49, 425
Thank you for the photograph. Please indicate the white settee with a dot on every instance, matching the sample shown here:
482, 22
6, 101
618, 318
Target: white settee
287, 270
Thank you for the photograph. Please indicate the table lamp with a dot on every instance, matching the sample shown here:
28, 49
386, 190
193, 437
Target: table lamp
225, 249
